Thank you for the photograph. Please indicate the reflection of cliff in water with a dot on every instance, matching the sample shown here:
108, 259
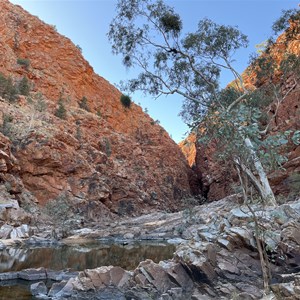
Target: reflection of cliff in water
83, 256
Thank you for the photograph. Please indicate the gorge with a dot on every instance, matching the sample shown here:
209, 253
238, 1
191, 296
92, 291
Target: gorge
77, 164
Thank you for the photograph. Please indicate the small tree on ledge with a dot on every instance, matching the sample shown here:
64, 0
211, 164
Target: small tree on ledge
61, 111
125, 100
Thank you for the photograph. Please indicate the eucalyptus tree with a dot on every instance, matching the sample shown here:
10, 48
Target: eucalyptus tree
149, 36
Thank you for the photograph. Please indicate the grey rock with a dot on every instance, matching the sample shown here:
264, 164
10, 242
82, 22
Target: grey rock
61, 275
56, 288
176, 241
225, 243
11, 203
5, 231
175, 293
244, 235
128, 236
207, 236
33, 274
251, 290
2, 246
36, 240
165, 296
237, 215
20, 232
178, 275
38, 288
8, 276
284, 290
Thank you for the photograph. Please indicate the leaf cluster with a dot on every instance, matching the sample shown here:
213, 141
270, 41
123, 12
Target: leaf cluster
149, 35
61, 111
282, 23
10, 89
125, 101
24, 62
83, 104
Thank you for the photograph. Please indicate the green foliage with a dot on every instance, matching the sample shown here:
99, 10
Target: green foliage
168, 63
78, 133
107, 147
53, 27
61, 111
7, 125
79, 48
83, 104
24, 87
282, 23
24, 62
7, 88
290, 64
171, 23
125, 100
3, 83
40, 104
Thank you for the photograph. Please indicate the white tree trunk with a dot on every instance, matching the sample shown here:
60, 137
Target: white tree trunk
265, 188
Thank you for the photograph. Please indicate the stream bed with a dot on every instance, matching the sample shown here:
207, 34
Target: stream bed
77, 257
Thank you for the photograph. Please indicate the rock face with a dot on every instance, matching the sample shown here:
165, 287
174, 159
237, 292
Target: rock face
105, 157
217, 179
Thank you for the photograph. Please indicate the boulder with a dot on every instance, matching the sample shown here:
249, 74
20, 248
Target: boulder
56, 288
154, 275
9, 276
38, 288
61, 275
5, 231
33, 274
20, 232
178, 275
196, 262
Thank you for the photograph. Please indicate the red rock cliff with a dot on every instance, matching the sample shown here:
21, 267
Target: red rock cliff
107, 159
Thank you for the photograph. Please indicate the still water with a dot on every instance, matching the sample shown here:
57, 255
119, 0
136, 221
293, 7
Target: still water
77, 257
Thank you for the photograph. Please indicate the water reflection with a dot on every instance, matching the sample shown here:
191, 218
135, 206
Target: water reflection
85, 256
15, 292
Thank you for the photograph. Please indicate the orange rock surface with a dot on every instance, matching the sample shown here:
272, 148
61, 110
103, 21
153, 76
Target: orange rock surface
107, 159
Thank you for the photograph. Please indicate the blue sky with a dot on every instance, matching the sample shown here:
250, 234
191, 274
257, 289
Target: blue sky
86, 23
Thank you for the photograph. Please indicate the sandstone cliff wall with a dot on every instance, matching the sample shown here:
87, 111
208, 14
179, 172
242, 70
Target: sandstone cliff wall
108, 159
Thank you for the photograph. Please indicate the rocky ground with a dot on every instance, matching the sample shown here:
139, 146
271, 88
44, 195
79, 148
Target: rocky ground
216, 255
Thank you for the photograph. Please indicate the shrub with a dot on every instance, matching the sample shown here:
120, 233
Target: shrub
24, 62
10, 91
79, 48
3, 82
61, 111
107, 147
125, 100
24, 87
40, 104
83, 104
6, 127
